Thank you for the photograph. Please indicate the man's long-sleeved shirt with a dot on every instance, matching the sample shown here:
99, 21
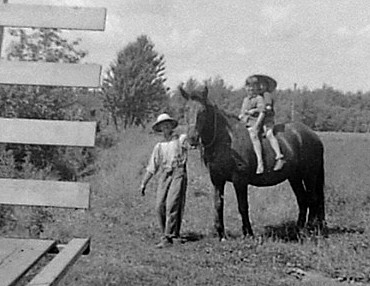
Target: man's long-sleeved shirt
169, 155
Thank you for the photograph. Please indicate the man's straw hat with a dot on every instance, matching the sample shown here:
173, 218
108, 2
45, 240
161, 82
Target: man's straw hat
164, 117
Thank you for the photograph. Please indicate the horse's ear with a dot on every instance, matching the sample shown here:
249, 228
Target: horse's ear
184, 93
205, 93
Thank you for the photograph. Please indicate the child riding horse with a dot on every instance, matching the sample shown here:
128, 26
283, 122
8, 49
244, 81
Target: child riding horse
258, 113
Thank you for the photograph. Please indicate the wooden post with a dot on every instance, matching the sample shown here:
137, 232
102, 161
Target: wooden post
2, 32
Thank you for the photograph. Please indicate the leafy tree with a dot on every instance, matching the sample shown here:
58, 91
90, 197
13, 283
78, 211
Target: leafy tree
134, 84
45, 45
176, 104
40, 102
220, 93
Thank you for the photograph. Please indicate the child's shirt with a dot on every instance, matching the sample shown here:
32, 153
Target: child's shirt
258, 103
169, 155
255, 102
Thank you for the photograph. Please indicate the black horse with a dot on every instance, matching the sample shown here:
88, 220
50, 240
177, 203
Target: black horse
229, 156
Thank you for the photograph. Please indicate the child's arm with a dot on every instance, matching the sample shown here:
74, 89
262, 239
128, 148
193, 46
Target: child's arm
269, 103
253, 111
244, 111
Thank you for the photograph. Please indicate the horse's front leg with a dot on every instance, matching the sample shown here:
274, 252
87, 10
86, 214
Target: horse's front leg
241, 190
219, 209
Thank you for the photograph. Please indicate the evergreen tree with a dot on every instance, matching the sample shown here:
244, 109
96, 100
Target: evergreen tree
134, 84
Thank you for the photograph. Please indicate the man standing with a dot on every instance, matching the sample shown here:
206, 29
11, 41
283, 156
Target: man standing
169, 159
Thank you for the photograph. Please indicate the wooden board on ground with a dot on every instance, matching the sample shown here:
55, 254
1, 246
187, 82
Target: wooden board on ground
50, 74
46, 16
56, 269
47, 132
17, 256
44, 193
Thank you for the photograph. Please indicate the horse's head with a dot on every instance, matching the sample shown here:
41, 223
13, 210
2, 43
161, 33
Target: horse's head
195, 114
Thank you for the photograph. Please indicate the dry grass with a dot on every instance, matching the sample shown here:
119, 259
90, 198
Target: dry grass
124, 229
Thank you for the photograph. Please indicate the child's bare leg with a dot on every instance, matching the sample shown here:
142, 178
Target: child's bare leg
257, 149
275, 146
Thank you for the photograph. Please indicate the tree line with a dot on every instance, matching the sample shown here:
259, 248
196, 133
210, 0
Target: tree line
322, 109
133, 93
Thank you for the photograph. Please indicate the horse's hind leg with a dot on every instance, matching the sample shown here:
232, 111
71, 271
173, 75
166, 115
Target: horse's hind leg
300, 193
241, 189
316, 202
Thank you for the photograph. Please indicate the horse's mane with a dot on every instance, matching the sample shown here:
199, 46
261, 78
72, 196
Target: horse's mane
224, 113
228, 114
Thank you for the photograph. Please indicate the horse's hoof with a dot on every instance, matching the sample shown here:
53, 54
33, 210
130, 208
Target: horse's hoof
223, 239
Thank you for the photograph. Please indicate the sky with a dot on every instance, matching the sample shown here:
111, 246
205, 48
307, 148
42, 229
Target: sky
309, 43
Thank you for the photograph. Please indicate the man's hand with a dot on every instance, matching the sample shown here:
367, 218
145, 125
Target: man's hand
142, 189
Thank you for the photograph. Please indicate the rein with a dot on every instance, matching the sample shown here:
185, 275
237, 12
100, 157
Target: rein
214, 131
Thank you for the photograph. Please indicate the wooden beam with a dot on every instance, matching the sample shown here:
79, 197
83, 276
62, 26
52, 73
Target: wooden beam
46, 16
50, 74
44, 193
47, 132
58, 267
17, 256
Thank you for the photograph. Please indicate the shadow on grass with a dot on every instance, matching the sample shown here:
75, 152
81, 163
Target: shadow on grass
289, 232
191, 237
343, 229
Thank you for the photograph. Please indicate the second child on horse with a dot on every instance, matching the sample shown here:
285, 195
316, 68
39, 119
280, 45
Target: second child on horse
257, 112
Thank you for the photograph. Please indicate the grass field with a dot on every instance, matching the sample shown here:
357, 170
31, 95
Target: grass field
124, 229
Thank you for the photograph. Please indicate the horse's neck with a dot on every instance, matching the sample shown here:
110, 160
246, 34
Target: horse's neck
219, 129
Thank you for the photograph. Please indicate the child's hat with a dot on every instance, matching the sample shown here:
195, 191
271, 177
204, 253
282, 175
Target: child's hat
267, 81
163, 118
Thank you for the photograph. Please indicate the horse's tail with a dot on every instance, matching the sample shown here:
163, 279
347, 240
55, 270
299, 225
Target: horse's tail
312, 163
320, 186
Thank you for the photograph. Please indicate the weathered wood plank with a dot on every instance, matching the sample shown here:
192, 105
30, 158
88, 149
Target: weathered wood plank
57, 268
50, 74
46, 16
45, 193
47, 132
17, 256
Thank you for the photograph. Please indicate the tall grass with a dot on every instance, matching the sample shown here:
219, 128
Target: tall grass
124, 227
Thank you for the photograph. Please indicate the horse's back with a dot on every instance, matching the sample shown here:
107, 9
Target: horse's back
301, 147
300, 144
